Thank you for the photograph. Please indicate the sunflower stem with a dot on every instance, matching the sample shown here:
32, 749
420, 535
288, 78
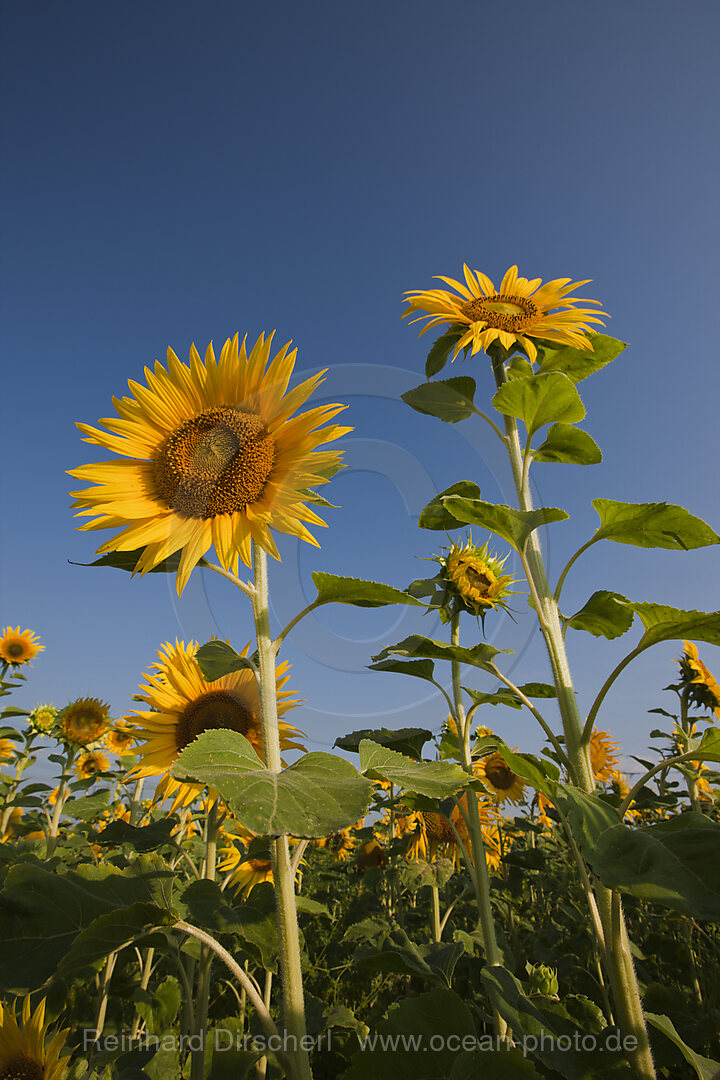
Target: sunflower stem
480, 870
202, 1002
289, 937
621, 971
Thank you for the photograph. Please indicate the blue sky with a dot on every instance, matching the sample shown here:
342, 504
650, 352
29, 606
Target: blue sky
176, 172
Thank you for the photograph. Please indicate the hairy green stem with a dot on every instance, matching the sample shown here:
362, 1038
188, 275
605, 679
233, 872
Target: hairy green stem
623, 980
288, 933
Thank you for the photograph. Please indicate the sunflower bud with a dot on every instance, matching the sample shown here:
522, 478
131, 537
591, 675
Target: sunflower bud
474, 579
542, 980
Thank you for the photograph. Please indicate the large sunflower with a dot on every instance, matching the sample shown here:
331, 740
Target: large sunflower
18, 648
25, 1051
517, 312
212, 455
183, 705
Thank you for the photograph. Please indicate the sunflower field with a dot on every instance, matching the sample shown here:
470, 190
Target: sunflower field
187, 892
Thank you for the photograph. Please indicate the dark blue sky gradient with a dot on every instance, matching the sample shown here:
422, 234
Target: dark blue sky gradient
176, 172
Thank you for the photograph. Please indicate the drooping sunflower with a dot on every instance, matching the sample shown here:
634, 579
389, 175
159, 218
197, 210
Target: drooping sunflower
603, 755
504, 785
340, 844
245, 873
517, 312
703, 688
182, 704
212, 455
475, 577
26, 1053
18, 648
370, 854
92, 763
84, 721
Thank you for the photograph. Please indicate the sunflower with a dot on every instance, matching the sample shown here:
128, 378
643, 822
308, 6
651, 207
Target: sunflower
18, 648
25, 1051
702, 686
183, 705
43, 718
120, 738
212, 455
475, 577
603, 755
515, 314
370, 854
503, 784
246, 873
92, 763
7, 749
84, 721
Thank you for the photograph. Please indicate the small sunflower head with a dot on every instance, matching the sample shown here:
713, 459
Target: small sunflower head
542, 980
120, 738
503, 784
43, 719
603, 755
699, 682
91, 764
474, 578
18, 648
84, 721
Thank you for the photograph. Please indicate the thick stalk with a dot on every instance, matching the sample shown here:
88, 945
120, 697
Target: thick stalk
480, 870
202, 1001
623, 980
104, 994
289, 937
144, 981
436, 930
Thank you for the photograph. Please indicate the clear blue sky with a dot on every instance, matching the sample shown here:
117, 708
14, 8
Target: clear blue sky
175, 172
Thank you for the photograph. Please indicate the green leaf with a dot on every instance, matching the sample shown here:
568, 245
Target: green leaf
565, 444
110, 933
439, 1012
705, 1068
408, 741
217, 658
539, 773
435, 963
421, 669
319, 794
709, 748
417, 646
664, 623
145, 838
504, 696
448, 399
512, 525
539, 400
651, 525
436, 779
502, 1063
577, 364
252, 922
128, 560
332, 589
437, 516
606, 614
438, 355
675, 863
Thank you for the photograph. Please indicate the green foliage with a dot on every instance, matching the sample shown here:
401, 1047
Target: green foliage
440, 352
332, 589
675, 863
436, 779
417, 646
128, 560
408, 741
514, 526
319, 794
578, 364
436, 514
606, 614
705, 1068
664, 623
448, 399
539, 773
251, 923
218, 658
570, 445
110, 933
539, 400
651, 525
146, 838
